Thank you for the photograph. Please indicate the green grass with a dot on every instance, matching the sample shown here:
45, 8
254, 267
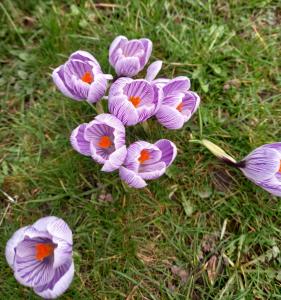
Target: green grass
202, 217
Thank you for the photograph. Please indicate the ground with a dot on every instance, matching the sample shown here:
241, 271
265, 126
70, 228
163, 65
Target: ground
202, 231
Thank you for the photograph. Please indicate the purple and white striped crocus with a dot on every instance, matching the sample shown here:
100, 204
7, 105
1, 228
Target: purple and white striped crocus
133, 101
81, 78
128, 57
41, 256
103, 139
178, 103
263, 167
147, 161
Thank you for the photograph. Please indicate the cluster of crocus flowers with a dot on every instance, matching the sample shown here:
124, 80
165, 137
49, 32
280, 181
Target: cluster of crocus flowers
41, 256
130, 101
262, 166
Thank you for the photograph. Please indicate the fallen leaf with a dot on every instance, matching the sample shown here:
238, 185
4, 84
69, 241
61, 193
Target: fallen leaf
180, 272
212, 268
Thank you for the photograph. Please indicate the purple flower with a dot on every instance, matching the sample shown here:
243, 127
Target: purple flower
263, 167
133, 101
103, 139
81, 78
147, 161
41, 256
178, 103
129, 57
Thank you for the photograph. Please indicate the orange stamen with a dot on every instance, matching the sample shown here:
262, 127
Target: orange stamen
87, 77
280, 167
180, 107
44, 250
144, 156
105, 142
135, 100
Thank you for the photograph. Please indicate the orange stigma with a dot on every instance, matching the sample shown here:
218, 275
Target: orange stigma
44, 250
180, 107
87, 77
105, 142
144, 156
280, 167
135, 100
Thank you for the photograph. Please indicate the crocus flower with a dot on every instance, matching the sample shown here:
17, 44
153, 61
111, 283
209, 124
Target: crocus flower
81, 78
178, 103
129, 57
133, 101
41, 256
147, 161
103, 139
262, 166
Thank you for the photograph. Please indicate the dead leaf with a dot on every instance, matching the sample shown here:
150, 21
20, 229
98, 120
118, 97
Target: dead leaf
105, 197
28, 21
236, 83
209, 243
212, 268
180, 272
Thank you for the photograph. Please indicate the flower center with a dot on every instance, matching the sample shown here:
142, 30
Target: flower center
135, 100
144, 156
87, 77
105, 142
44, 250
180, 107
280, 166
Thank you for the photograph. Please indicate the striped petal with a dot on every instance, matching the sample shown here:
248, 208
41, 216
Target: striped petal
124, 110
97, 88
168, 149
12, 243
117, 88
117, 43
147, 44
60, 283
272, 185
115, 160
153, 70
261, 164
28, 270
127, 66
59, 80
170, 117
84, 56
78, 141
131, 178
179, 84
62, 253
152, 171
61, 230
140, 88
191, 102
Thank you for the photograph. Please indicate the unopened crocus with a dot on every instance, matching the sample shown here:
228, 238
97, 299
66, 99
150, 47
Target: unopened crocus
128, 57
178, 103
81, 78
147, 161
103, 139
134, 101
41, 256
262, 166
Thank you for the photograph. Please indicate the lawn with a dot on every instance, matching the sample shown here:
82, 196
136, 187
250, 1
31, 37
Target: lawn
202, 231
